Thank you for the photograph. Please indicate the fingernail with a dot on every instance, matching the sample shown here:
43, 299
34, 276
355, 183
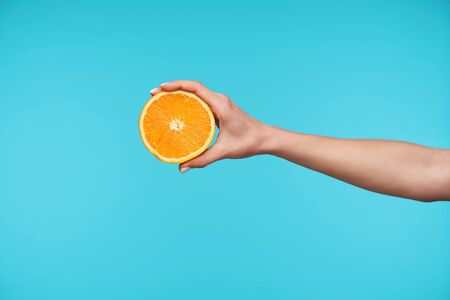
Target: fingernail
184, 170
153, 90
164, 83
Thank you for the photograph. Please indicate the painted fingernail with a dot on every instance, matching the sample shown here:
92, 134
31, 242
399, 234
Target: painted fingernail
164, 83
184, 170
152, 91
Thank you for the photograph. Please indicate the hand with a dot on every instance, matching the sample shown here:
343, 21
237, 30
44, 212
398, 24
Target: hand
240, 135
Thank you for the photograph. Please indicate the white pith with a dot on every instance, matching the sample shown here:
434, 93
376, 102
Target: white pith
176, 125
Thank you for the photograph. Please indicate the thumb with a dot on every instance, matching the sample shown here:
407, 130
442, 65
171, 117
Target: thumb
208, 157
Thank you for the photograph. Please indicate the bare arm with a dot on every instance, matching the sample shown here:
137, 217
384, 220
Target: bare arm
389, 167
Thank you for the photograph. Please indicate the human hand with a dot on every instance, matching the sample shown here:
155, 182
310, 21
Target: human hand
240, 135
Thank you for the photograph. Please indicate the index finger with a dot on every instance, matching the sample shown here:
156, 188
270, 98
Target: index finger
190, 86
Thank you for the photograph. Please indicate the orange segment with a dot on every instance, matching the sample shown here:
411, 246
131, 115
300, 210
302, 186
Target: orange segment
176, 126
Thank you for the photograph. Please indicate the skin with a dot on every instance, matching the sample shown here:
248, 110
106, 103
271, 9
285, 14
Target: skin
389, 167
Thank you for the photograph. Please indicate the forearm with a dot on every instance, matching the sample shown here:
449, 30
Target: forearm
388, 167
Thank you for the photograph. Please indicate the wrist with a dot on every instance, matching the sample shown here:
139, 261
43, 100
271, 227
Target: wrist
269, 141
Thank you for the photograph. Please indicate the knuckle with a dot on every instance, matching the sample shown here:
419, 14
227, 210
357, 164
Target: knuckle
225, 105
223, 97
196, 83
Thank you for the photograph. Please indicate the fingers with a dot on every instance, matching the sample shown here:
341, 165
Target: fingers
156, 90
208, 157
190, 86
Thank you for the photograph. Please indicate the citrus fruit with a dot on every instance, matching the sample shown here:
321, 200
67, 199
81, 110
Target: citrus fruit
176, 126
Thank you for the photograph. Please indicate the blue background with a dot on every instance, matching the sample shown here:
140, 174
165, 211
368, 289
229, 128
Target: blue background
86, 212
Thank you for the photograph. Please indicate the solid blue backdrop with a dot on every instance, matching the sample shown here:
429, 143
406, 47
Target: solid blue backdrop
86, 212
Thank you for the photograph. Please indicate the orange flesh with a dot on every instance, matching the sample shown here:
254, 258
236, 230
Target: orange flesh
176, 125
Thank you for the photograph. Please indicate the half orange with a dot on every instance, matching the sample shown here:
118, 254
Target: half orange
176, 126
